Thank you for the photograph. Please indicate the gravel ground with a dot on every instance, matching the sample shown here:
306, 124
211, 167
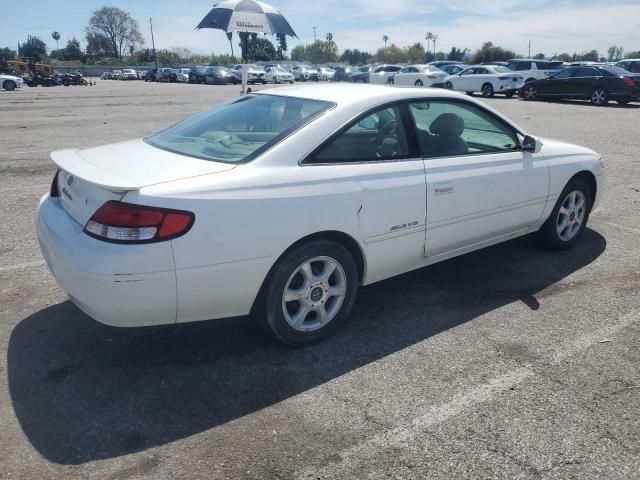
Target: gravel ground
511, 362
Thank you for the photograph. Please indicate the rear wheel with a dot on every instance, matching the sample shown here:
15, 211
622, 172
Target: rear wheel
509, 94
9, 85
310, 292
487, 90
448, 86
623, 101
470, 94
569, 217
599, 96
419, 83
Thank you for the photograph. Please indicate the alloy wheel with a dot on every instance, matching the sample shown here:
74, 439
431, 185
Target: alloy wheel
314, 294
599, 96
530, 93
571, 215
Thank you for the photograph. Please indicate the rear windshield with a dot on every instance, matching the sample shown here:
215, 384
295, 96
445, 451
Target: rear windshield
240, 130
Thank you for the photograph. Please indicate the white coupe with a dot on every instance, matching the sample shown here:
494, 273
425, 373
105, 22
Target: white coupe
420, 76
486, 79
282, 202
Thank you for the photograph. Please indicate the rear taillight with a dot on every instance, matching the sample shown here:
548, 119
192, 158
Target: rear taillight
120, 222
629, 82
54, 192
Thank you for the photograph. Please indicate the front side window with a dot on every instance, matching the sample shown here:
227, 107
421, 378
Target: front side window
240, 130
586, 72
563, 74
468, 71
455, 128
378, 136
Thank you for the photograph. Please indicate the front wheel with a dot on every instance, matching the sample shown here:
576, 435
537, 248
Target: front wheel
310, 292
530, 93
419, 83
9, 85
448, 86
599, 96
487, 90
569, 217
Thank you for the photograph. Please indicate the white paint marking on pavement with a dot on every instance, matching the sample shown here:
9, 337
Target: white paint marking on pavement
623, 227
460, 402
20, 266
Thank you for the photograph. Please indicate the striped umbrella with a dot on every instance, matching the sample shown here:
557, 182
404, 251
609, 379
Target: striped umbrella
246, 16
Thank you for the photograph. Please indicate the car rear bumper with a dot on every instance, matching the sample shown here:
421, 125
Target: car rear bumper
100, 278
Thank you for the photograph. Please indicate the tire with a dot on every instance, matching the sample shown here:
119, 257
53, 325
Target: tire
487, 90
531, 79
509, 94
419, 83
529, 92
280, 315
291, 82
623, 101
9, 85
551, 234
470, 94
448, 86
599, 96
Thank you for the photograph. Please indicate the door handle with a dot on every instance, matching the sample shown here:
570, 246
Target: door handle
443, 188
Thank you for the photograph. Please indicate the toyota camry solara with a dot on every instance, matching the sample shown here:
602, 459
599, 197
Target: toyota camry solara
281, 203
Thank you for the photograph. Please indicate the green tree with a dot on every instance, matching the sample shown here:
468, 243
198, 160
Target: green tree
282, 46
118, 27
6, 54
391, 54
635, 54
385, 39
73, 51
98, 46
416, 53
563, 57
615, 53
56, 37
456, 54
491, 53
33, 48
539, 56
167, 58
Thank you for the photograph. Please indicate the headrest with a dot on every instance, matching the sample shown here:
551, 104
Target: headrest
447, 124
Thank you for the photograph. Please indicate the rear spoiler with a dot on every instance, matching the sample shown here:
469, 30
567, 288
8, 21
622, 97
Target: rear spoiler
70, 161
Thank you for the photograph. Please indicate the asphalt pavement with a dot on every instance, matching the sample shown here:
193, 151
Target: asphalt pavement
510, 362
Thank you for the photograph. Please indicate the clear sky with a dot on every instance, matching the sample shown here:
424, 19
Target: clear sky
553, 26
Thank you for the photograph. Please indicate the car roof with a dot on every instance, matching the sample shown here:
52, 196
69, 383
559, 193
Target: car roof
351, 93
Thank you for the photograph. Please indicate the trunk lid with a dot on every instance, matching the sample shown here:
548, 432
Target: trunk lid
89, 178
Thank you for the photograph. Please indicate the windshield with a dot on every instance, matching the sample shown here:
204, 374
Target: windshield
240, 130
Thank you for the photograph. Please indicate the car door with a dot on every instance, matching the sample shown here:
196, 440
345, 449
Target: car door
378, 153
481, 76
557, 85
481, 187
582, 82
464, 81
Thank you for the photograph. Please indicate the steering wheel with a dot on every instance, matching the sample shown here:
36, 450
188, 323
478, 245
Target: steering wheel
387, 140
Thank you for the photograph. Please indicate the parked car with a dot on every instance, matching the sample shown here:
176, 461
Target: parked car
219, 76
361, 75
278, 75
255, 74
326, 73
453, 68
630, 65
10, 82
116, 75
419, 76
199, 226
106, 76
142, 74
535, 69
196, 74
128, 74
182, 75
305, 73
486, 79
151, 75
383, 74
343, 74
597, 84
442, 63
167, 75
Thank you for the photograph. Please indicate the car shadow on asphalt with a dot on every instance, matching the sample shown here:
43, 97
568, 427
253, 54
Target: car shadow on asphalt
83, 391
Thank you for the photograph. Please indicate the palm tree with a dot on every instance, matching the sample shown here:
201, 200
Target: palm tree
428, 38
329, 37
56, 37
385, 39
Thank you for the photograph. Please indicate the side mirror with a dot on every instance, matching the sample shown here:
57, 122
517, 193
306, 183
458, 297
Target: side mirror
531, 144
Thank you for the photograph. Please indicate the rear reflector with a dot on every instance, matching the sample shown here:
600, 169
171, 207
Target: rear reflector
54, 192
120, 222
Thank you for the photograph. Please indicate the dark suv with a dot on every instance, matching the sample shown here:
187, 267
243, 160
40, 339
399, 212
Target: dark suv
197, 75
151, 75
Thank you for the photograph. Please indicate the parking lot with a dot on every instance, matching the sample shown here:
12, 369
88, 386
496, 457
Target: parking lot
510, 362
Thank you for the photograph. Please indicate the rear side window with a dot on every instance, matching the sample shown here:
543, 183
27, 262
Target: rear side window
517, 66
454, 128
586, 72
240, 130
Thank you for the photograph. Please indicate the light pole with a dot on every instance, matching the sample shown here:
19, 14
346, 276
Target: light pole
434, 38
153, 44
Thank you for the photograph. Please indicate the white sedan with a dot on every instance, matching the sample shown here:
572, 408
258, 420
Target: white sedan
383, 74
10, 82
283, 202
486, 79
278, 75
420, 76
327, 73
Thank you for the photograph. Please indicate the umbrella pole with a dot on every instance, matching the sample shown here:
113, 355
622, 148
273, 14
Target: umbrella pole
245, 70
